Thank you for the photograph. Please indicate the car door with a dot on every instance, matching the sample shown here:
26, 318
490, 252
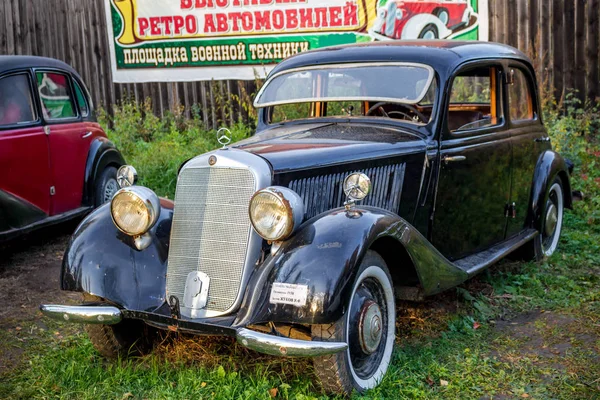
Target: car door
529, 139
68, 139
24, 162
474, 177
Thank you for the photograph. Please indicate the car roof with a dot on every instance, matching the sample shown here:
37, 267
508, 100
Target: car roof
10, 63
442, 55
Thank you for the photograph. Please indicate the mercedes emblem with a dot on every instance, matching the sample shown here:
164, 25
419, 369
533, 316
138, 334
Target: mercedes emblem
224, 136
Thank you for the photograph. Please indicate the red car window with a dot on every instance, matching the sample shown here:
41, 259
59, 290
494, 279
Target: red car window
16, 106
56, 96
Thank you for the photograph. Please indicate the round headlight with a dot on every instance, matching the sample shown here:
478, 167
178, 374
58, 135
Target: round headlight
135, 210
127, 176
276, 212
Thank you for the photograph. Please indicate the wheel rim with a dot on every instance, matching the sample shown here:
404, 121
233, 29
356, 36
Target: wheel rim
110, 189
444, 17
429, 35
370, 327
552, 220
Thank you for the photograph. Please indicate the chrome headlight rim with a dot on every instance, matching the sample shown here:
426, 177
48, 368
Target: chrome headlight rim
294, 211
148, 198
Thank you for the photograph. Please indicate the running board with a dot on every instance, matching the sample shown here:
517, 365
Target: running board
476, 263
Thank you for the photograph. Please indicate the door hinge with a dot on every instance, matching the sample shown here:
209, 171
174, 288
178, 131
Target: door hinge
510, 210
52, 190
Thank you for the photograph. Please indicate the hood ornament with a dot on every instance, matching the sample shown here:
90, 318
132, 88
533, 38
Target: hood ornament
224, 137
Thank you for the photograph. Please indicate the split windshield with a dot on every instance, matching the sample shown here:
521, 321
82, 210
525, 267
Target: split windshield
349, 90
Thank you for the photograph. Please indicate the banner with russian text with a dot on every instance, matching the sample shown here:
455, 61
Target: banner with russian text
189, 40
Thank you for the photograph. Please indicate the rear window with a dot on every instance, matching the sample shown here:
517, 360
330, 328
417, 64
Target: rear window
16, 105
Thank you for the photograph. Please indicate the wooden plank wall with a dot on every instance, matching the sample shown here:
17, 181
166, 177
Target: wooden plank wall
562, 35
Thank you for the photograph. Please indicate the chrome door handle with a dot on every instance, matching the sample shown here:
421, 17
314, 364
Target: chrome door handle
448, 159
87, 135
542, 139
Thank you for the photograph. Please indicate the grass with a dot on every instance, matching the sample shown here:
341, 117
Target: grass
520, 330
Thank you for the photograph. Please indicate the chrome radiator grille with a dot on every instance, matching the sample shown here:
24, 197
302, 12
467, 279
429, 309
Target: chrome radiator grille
210, 231
324, 192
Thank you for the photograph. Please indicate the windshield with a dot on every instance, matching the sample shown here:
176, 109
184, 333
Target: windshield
404, 83
393, 90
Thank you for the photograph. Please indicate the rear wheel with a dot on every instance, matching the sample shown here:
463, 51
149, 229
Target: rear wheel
546, 243
443, 15
127, 338
369, 329
106, 186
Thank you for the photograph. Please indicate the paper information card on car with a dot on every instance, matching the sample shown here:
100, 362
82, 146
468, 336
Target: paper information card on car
287, 293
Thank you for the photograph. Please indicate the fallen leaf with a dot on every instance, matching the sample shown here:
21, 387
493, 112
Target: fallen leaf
18, 328
430, 381
203, 384
443, 382
476, 325
127, 395
524, 395
273, 392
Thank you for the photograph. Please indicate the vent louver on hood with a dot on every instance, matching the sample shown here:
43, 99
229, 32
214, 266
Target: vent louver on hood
325, 192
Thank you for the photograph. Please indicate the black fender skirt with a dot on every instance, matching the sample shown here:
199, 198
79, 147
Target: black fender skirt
103, 261
325, 254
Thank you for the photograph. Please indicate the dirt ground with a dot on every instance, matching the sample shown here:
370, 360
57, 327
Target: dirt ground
29, 276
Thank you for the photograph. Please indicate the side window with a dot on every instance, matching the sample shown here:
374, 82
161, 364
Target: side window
475, 100
55, 95
520, 97
16, 105
81, 100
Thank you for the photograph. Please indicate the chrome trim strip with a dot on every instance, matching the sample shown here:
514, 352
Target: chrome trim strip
282, 346
348, 65
234, 158
106, 315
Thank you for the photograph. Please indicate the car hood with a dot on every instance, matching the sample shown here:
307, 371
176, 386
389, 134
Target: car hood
316, 145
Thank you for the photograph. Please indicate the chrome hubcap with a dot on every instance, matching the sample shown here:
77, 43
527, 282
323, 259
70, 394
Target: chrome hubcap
551, 219
370, 327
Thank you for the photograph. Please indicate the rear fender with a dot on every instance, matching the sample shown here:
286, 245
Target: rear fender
102, 154
102, 261
325, 255
550, 164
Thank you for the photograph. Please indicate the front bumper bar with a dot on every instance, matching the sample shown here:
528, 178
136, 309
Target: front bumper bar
258, 341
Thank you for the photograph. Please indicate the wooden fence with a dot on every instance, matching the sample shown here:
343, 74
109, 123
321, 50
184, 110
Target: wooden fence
563, 34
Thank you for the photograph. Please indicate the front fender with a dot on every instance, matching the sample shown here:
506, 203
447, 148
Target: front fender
549, 165
102, 261
325, 255
102, 154
416, 24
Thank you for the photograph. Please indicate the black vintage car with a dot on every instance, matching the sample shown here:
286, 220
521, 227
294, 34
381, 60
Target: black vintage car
378, 172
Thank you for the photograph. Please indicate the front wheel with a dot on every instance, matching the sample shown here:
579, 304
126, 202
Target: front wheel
106, 186
127, 338
369, 329
430, 32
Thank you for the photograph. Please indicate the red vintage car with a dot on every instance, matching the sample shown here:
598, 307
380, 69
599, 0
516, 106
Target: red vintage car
420, 19
56, 162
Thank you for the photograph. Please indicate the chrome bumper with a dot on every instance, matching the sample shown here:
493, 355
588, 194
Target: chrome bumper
106, 315
282, 346
261, 342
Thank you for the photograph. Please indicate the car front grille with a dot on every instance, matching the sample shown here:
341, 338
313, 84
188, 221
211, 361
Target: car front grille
210, 232
325, 192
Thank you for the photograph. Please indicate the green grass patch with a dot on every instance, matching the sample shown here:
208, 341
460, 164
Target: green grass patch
520, 330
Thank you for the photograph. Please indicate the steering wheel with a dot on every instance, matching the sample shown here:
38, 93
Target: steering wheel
413, 109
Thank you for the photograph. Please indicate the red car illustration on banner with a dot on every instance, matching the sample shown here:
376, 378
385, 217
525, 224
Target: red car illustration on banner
419, 19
